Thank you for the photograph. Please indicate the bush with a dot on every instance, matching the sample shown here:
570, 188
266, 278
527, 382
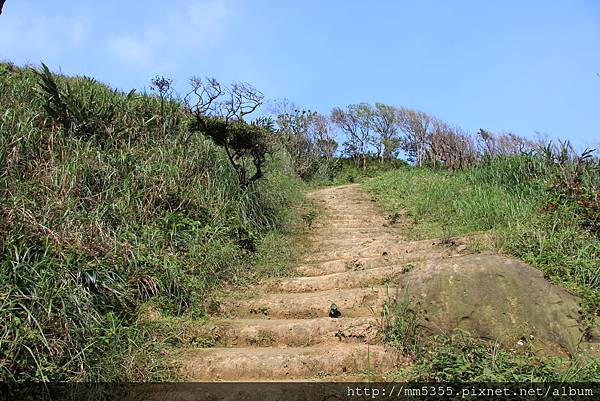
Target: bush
107, 203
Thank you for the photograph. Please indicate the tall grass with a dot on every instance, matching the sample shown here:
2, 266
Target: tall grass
459, 357
514, 200
524, 204
108, 204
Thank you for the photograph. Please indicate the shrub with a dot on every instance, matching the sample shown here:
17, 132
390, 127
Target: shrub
109, 203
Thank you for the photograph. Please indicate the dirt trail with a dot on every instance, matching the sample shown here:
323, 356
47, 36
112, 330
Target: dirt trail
283, 330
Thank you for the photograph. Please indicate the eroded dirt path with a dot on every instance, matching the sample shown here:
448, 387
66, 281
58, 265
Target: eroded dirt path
283, 331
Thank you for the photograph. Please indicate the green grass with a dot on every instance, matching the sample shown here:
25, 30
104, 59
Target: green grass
120, 207
507, 201
345, 172
459, 357
446, 204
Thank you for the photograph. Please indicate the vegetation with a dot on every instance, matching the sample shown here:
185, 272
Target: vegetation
374, 138
459, 357
540, 207
117, 205
109, 202
308, 138
223, 122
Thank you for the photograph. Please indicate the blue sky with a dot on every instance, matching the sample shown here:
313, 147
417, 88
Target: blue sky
506, 66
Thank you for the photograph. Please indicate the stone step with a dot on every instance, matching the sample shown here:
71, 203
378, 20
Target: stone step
355, 302
213, 364
365, 263
357, 278
287, 332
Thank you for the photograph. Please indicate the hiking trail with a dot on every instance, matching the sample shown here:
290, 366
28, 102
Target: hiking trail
325, 324
284, 332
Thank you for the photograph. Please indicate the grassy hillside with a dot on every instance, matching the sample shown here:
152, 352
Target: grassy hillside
121, 207
118, 206
530, 207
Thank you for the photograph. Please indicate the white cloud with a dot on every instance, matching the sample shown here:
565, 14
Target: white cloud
204, 17
189, 26
27, 33
166, 37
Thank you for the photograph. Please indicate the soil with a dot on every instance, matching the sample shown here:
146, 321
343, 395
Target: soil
358, 260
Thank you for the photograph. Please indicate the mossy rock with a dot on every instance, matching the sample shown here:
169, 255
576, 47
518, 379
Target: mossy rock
495, 298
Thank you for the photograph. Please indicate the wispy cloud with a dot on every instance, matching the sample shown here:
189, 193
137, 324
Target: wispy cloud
188, 27
25, 31
155, 39
132, 49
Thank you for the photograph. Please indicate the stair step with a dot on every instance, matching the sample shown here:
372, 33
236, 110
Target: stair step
347, 279
285, 363
355, 302
366, 263
288, 332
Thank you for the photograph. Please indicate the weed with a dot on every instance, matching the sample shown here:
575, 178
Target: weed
108, 202
399, 323
394, 218
408, 267
309, 217
528, 206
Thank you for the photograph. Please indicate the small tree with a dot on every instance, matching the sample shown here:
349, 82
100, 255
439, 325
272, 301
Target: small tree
296, 134
385, 126
325, 143
415, 125
306, 135
164, 87
218, 112
356, 122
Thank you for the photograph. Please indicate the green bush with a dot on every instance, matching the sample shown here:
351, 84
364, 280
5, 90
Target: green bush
107, 202
341, 170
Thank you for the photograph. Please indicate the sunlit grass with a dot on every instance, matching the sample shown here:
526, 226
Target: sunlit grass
507, 201
125, 207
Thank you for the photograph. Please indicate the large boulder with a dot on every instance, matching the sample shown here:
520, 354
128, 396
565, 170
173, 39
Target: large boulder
495, 298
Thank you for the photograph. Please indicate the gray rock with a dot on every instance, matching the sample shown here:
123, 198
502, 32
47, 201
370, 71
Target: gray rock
495, 298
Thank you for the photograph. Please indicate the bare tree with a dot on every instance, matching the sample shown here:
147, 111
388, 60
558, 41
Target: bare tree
455, 149
356, 122
219, 113
415, 125
203, 99
437, 142
306, 135
385, 126
242, 99
209, 98
491, 144
324, 140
